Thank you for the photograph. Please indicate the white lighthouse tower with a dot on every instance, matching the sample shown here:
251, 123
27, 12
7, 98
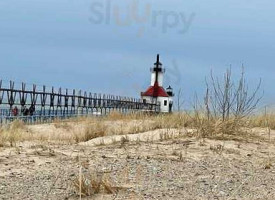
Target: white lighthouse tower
156, 93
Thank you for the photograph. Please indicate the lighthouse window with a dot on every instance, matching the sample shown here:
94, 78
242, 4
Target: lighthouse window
144, 100
165, 102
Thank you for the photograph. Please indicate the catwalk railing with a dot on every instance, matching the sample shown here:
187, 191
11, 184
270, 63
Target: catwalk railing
33, 104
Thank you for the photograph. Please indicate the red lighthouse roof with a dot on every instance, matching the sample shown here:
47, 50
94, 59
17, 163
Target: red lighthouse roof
155, 91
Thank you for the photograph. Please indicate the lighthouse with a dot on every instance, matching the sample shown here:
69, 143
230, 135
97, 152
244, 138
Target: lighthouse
156, 93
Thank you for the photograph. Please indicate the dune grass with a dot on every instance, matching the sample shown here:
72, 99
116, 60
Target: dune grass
84, 129
12, 134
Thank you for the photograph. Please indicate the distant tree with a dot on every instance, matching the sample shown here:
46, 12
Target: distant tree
225, 98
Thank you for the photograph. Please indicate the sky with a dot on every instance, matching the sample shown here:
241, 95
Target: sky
108, 46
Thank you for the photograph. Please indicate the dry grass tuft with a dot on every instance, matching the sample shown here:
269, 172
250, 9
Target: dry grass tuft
12, 133
63, 125
175, 120
115, 116
217, 148
233, 128
268, 164
91, 130
263, 120
92, 184
217, 128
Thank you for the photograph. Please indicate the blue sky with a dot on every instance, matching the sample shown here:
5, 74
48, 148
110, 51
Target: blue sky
108, 46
